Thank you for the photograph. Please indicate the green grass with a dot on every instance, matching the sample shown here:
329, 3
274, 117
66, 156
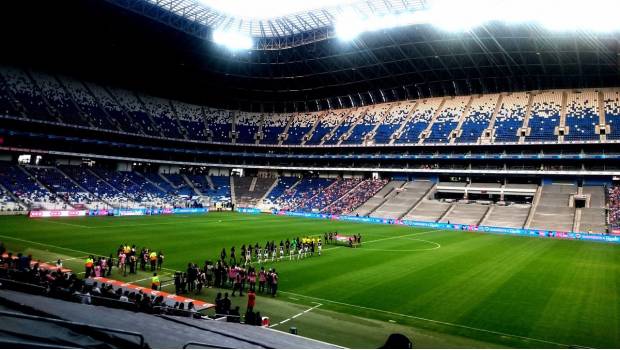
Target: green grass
442, 288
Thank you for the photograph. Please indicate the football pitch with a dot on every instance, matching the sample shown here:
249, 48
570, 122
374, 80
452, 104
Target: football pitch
440, 288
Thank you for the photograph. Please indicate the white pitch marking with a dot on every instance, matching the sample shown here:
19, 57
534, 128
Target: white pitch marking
65, 223
437, 246
431, 320
294, 317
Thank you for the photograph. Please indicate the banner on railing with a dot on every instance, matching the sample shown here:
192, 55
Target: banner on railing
115, 212
56, 213
474, 228
246, 210
190, 210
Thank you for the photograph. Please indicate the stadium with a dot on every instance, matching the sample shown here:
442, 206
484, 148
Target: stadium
319, 174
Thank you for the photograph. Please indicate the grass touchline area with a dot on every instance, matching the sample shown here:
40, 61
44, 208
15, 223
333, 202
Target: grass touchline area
451, 289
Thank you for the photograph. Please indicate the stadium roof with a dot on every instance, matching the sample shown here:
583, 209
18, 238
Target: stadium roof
278, 18
129, 46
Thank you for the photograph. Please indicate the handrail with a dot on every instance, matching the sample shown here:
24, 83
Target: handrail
216, 332
74, 324
204, 345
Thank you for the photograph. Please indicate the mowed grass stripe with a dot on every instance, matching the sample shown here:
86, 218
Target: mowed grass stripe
558, 291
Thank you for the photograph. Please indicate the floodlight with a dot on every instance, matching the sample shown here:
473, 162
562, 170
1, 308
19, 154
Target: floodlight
232, 40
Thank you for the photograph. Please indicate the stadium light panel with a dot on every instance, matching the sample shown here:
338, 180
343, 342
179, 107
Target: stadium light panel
232, 40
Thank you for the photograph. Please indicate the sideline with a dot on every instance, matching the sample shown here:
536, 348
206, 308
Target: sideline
295, 316
433, 321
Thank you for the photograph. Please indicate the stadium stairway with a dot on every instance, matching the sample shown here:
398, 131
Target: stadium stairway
491, 127
151, 182
513, 216
526, 118
191, 185
415, 205
554, 210
388, 191
13, 196
310, 132
41, 184
424, 134
271, 187
396, 134
82, 187
458, 129
167, 180
447, 212
397, 206
233, 197
210, 182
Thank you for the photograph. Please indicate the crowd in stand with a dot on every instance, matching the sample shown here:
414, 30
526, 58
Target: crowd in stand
613, 194
54, 281
356, 197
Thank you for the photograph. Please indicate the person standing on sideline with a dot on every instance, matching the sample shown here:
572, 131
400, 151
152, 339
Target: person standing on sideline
153, 260
251, 300
274, 283
160, 260
262, 277
155, 281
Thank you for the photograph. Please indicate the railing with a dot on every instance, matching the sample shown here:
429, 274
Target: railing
83, 327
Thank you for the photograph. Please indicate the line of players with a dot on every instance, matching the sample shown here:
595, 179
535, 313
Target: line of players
296, 249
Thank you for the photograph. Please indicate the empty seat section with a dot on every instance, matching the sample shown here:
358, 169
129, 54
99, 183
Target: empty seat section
466, 214
378, 198
26, 188
553, 211
88, 104
59, 100
612, 113
62, 186
246, 127
582, 116
513, 216
428, 210
284, 183
113, 109
392, 122
178, 182
29, 95
510, 117
328, 122
398, 206
350, 118
369, 120
163, 115
136, 110
221, 189
300, 125
192, 119
273, 126
422, 116
545, 116
478, 118
219, 123
447, 120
